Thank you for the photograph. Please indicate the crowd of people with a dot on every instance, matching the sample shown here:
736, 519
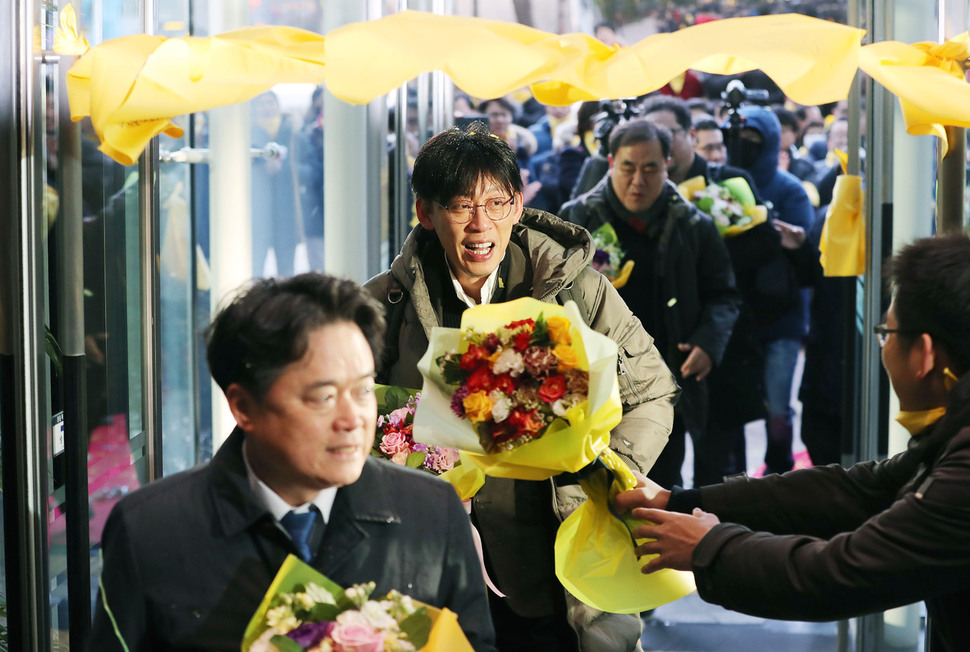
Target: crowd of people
708, 329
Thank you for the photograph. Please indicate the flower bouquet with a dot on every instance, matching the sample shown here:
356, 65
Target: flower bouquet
730, 203
304, 611
608, 258
525, 389
495, 366
394, 439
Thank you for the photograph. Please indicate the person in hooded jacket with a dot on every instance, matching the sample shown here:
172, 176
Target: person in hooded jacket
476, 244
782, 313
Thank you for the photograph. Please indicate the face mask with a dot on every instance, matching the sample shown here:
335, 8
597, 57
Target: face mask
917, 420
747, 153
810, 139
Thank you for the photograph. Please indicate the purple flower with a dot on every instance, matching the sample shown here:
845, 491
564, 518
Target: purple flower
308, 635
601, 258
456, 400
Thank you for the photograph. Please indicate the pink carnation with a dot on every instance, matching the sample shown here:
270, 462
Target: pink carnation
540, 360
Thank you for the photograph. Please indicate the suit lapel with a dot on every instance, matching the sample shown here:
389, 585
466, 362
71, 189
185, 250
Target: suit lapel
357, 510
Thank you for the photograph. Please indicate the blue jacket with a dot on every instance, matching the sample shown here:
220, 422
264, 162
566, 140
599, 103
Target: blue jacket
789, 202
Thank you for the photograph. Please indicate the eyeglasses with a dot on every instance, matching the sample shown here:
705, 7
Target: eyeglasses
882, 332
462, 212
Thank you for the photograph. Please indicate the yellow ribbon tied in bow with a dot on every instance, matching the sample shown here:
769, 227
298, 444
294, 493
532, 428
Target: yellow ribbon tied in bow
843, 243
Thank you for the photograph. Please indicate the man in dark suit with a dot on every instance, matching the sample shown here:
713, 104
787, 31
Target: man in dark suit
188, 559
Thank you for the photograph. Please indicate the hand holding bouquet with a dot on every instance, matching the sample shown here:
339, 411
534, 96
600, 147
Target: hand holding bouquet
730, 203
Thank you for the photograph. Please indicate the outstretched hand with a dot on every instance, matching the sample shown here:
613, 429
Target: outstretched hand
674, 536
698, 364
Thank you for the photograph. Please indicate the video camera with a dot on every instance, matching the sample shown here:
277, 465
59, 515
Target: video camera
734, 95
612, 113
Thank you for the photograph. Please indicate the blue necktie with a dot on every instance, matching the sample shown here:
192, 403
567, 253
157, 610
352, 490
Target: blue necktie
299, 526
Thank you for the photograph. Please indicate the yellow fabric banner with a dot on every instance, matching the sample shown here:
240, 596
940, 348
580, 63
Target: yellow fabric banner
843, 242
132, 87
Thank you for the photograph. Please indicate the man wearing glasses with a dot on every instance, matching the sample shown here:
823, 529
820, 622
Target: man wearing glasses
476, 244
829, 543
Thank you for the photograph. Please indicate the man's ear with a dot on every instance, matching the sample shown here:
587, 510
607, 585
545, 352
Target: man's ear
923, 355
517, 208
242, 405
423, 208
609, 159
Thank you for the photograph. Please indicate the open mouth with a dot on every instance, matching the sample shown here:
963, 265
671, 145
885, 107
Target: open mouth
480, 249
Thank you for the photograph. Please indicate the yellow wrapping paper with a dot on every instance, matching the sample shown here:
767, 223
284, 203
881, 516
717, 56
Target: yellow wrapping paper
596, 562
446, 635
563, 447
843, 242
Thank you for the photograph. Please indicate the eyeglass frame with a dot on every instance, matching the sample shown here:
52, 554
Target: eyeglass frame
882, 333
508, 203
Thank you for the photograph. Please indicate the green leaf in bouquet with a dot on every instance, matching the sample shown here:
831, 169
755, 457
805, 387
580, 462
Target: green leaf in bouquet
604, 236
391, 397
415, 460
417, 627
286, 644
740, 190
705, 204
540, 336
324, 612
451, 370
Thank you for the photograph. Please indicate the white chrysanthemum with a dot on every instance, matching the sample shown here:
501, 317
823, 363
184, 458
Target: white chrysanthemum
501, 406
319, 595
508, 362
396, 643
377, 616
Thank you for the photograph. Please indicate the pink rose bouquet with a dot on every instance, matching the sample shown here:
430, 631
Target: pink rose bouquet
394, 439
304, 611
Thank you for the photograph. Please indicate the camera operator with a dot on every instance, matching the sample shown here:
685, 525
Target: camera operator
754, 138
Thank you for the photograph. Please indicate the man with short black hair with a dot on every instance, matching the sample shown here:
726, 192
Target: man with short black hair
475, 244
188, 559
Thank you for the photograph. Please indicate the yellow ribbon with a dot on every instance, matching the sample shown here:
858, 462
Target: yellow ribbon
928, 79
134, 86
67, 40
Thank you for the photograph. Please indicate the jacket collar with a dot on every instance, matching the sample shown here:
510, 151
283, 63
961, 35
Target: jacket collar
358, 509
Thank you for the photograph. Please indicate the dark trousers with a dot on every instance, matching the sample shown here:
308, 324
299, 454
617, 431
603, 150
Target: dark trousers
720, 453
515, 633
666, 470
